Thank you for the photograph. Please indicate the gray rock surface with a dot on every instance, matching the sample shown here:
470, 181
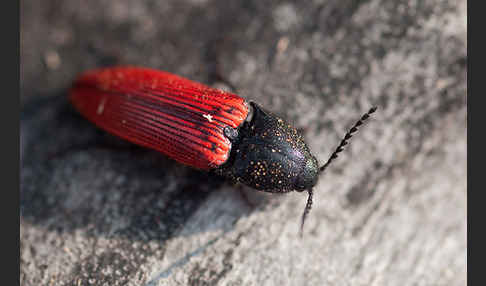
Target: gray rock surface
390, 211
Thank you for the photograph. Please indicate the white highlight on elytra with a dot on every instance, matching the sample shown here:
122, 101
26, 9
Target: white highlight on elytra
101, 107
209, 117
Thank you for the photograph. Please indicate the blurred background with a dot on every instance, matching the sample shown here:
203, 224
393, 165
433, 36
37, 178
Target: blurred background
391, 211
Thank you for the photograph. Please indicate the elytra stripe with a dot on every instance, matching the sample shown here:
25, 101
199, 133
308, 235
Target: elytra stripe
216, 111
178, 114
155, 138
180, 118
157, 135
164, 119
183, 114
126, 79
137, 136
199, 97
186, 107
143, 118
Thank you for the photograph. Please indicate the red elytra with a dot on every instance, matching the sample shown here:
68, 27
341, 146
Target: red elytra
182, 119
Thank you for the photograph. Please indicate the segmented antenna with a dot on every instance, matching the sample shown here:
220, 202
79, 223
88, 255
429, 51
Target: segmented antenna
334, 155
307, 209
348, 136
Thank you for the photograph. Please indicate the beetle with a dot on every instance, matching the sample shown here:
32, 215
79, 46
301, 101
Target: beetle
202, 127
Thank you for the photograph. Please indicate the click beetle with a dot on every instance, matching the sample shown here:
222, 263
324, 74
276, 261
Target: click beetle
202, 127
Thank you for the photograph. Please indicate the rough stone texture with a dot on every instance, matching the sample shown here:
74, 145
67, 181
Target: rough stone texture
390, 211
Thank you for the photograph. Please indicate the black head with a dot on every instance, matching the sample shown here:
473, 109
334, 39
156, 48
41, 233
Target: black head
270, 155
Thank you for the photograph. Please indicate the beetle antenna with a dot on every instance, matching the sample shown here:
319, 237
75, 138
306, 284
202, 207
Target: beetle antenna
348, 136
307, 209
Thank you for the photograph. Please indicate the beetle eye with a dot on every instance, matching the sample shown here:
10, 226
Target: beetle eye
308, 177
